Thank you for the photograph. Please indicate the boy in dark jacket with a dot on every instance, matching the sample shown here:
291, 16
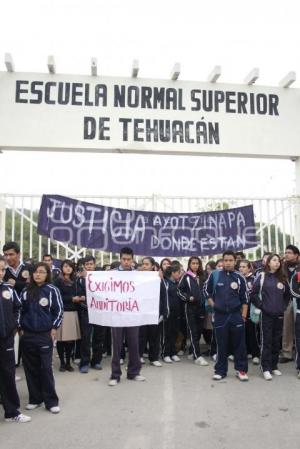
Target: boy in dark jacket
226, 291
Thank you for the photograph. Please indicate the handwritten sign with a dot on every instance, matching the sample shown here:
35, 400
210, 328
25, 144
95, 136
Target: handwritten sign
147, 233
123, 298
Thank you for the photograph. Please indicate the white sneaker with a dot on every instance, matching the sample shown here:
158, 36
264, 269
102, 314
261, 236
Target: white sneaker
276, 372
217, 377
167, 359
156, 363
76, 361
255, 361
242, 376
201, 361
32, 406
139, 378
175, 358
142, 361
181, 352
190, 357
121, 361
19, 418
112, 382
54, 409
214, 357
231, 358
267, 375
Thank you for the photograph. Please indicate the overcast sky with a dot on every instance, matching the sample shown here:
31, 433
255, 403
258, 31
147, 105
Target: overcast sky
237, 35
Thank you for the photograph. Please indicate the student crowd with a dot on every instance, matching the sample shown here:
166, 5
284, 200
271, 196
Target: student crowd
242, 311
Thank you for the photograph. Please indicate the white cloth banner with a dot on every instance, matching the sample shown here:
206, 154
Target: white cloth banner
123, 298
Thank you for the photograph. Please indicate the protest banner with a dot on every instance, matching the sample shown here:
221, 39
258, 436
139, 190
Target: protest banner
147, 233
123, 298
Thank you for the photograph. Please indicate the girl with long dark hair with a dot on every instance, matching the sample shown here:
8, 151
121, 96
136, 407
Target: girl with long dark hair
41, 316
69, 331
190, 290
271, 294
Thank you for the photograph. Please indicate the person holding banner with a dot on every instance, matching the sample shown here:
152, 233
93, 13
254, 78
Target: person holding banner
150, 333
190, 289
130, 333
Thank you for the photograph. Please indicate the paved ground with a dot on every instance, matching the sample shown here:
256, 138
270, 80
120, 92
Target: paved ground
179, 406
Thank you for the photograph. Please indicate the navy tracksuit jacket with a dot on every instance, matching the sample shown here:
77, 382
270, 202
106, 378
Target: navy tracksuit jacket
191, 287
229, 292
170, 306
41, 312
9, 317
21, 275
273, 300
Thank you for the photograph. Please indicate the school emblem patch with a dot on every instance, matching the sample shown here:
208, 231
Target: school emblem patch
43, 302
280, 285
25, 274
6, 294
234, 285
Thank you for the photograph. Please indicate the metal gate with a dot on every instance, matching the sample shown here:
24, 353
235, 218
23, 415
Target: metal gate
275, 221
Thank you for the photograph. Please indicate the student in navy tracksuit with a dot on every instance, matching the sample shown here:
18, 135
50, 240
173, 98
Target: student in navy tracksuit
17, 273
226, 291
245, 268
271, 294
171, 317
41, 315
190, 290
9, 319
150, 334
295, 292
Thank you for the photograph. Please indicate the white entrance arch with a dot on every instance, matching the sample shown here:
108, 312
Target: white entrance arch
56, 112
